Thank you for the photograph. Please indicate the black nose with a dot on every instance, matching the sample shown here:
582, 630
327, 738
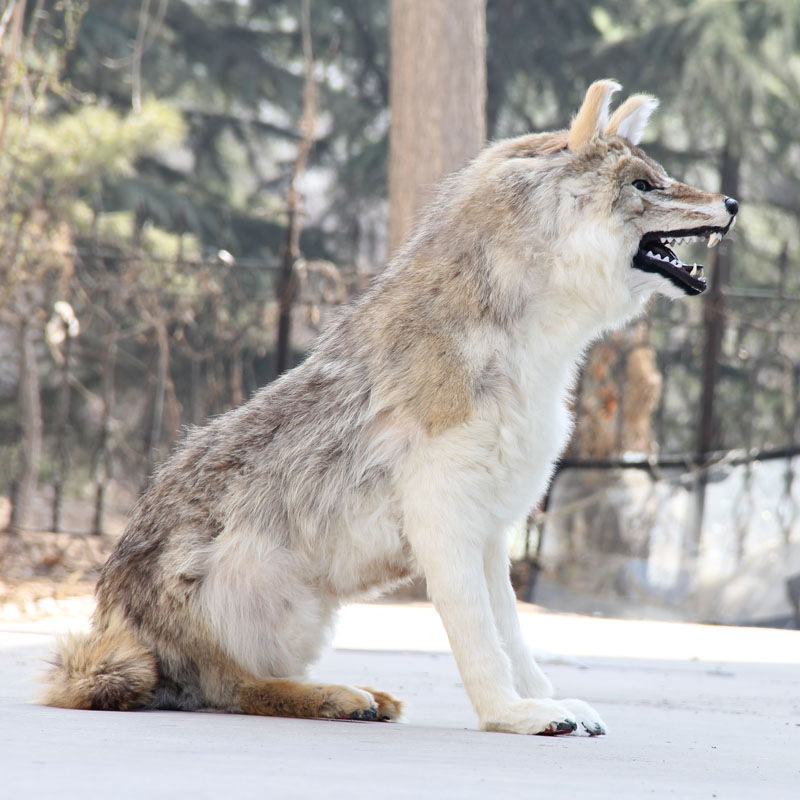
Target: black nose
731, 206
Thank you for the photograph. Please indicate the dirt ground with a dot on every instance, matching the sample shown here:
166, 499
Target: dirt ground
38, 570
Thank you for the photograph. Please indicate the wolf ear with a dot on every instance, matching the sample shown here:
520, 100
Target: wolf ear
593, 114
630, 119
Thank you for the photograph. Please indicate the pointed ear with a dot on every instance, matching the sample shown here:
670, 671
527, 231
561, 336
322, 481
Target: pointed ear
593, 114
630, 119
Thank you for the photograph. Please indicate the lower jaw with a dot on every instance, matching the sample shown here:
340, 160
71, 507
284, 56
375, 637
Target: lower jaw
690, 289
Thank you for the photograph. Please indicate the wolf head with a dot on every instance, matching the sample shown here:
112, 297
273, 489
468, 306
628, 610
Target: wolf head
660, 210
592, 217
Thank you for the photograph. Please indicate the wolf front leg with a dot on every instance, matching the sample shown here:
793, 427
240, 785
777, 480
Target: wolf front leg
529, 679
453, 565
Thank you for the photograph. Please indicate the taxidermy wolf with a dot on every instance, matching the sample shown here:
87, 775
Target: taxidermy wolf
422, 425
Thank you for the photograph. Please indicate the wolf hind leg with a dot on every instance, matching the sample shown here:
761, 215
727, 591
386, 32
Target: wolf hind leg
280, 697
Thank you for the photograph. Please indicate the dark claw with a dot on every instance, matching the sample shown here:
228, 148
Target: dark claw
565, 727
559, 729
595, 730
368, 714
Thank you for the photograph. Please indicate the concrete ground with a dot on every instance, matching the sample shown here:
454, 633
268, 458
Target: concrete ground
693, 712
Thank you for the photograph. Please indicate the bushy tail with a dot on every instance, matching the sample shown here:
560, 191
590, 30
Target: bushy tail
106, 669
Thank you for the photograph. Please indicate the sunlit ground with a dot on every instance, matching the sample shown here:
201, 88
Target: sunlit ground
416, 627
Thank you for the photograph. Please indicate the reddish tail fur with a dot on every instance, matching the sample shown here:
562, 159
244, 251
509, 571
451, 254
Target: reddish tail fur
106, 669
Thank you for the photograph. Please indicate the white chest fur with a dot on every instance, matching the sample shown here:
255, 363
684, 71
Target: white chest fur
532, 424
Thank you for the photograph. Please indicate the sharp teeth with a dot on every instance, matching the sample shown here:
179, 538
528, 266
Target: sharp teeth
714, 239
651, 254
693, 270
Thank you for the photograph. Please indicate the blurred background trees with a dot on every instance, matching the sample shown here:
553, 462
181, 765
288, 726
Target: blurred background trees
147, 149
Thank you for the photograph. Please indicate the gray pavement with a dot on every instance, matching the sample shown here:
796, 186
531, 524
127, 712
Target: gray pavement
678, 728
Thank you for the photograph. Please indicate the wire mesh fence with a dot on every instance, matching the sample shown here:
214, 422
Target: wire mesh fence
640, 512
157, 344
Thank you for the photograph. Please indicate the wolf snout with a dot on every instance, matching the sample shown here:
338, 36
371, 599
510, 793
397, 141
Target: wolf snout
731, 206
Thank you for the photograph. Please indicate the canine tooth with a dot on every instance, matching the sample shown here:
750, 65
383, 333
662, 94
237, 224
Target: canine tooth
714, 239
693, 271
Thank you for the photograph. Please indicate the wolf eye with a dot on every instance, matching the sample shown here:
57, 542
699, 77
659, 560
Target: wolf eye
643, 186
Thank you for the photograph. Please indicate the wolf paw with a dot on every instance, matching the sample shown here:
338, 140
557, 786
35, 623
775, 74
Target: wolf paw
546, 717
389, 707
588, 719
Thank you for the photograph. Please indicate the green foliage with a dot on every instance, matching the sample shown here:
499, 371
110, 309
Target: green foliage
234, 70
54, 161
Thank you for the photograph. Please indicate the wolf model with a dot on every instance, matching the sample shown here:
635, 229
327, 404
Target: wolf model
425, 421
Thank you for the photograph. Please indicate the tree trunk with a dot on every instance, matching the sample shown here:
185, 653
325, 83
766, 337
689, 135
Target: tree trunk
162, 374
714, 313
102, 467
195, 399
29, 412
287, 279
236, 380
62, 448
438, 100
714, 323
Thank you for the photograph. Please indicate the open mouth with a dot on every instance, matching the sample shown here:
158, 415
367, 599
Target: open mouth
655, 255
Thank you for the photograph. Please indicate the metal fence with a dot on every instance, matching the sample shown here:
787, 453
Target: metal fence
716, 495
165, 343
